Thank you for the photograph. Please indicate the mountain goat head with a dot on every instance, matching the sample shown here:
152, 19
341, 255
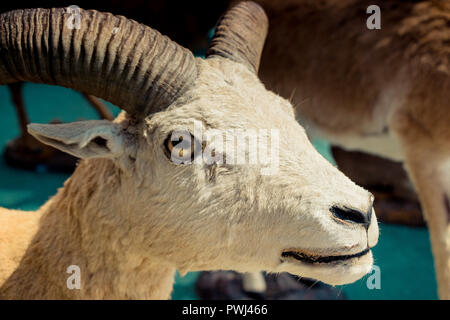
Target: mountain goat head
183, 198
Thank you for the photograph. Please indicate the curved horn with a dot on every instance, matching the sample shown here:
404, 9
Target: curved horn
240, 35
112, 57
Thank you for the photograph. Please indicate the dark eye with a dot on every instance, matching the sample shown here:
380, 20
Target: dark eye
180, 147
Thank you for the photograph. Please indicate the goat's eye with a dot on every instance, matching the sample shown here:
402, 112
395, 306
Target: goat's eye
180, 147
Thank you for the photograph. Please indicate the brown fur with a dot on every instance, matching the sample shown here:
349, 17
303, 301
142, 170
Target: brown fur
342, 66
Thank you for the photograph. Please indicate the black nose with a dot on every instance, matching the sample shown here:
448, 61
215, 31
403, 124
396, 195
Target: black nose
352, 215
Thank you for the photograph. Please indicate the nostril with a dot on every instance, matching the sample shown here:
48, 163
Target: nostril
348, 214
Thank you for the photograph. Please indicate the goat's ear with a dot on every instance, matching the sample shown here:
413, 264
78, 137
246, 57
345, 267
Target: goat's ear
83, 139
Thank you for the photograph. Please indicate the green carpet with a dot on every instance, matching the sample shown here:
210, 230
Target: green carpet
403, 254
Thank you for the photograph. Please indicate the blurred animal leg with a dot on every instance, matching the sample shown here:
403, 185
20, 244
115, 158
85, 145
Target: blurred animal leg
17, 99
99, 106
25, 152
428, 165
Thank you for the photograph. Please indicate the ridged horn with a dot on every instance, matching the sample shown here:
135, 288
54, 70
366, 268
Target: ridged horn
111, 57
240, 35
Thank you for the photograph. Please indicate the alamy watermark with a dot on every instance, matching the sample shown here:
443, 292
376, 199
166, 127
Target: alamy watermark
373, 22
374, 280
74, 280
257, 147
74, 20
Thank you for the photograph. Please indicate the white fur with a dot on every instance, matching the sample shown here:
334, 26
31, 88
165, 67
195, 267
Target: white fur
203, 217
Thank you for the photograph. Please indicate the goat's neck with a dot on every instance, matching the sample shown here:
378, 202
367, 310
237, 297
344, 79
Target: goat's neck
79, 227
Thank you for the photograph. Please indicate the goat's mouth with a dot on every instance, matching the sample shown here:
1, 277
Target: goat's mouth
316, 259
